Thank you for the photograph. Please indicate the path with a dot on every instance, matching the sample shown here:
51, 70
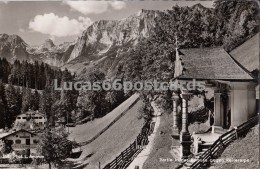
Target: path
141, 158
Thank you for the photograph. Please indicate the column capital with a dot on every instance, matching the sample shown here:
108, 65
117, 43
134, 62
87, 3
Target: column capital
217, 94
215, 89
175, 97
186, 96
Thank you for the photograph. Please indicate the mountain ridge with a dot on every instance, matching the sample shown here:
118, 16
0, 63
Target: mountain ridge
93, 44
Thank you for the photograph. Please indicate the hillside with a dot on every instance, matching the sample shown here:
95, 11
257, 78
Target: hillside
248, 58
246, 148
85, 132
117, 138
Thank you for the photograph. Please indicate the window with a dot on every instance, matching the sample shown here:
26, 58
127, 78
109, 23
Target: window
16, 135
35, 141
17, 141
18, 117
40, 117
24, 117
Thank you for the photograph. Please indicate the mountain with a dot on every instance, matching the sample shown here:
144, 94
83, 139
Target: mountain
13, 47
106, 43
47, 45
48, 52
103, 40
107, 39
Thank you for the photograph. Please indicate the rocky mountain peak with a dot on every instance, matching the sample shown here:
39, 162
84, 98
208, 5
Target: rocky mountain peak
105, 34
13, 47
12, 40
48, 43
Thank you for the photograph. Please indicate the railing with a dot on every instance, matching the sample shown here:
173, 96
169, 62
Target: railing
123, 160
219, 145
109, 125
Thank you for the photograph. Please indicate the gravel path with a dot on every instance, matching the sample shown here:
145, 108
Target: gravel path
141, 158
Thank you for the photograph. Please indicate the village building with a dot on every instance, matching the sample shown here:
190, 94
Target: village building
30, 120
23, 142
234, 89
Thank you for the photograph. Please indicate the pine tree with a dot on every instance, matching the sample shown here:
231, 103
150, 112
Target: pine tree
12, 101
2, 106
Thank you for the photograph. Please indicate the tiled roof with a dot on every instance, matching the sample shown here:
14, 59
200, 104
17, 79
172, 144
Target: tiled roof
210, 64
248, 53
30, 112
22, 130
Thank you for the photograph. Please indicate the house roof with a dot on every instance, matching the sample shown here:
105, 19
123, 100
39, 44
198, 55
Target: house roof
22, 130
248, 53
210, 64
32, 112
3, 135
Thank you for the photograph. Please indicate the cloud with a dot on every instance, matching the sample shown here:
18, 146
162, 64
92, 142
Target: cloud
95, 7
118, 5
21, 30
54, 25
4, 1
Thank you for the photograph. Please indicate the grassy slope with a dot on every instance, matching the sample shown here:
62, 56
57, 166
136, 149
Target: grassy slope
111, 143
245, 148
248, 58
162, 146
86, 131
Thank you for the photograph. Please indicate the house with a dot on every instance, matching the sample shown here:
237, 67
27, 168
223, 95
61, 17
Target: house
233, 86
30, 120
247, 54
22, 141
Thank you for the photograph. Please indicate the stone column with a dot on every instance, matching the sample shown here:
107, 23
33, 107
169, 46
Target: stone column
229, 110
243, 102
185, 137
218, 112
175, 99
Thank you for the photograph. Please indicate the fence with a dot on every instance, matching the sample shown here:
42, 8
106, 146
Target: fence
219, 145
123, 160
109, 125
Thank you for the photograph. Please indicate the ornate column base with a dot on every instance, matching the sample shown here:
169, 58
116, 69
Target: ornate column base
185, 139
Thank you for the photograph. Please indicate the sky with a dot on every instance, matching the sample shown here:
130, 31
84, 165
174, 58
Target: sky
64, 21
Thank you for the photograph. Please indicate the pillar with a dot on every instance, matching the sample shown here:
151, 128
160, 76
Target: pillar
228, 117
243, 102
185, 137
218, 112
175, 99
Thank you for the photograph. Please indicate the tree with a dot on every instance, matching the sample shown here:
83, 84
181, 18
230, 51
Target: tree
26, 99
35, 100
91, 101
53, 149
13, 108
3, 107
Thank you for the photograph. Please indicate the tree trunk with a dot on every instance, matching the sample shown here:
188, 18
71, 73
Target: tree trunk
49, 165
